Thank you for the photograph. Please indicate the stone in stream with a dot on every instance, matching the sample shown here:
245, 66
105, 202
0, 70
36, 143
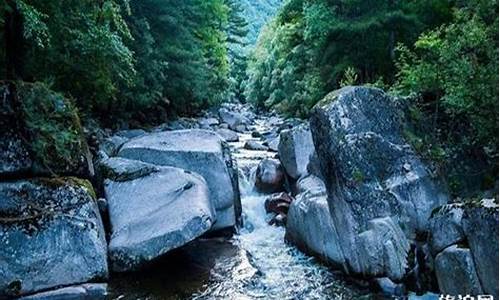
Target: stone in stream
309, 223
200, 151
51, 235
480, 223
255, 146
208, 122
154, 214
295, 149
234, 119
90, 291
228, 135
270, 176
376, 203
456, 272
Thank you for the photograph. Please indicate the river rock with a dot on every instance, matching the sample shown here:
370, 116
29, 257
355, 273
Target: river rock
278, 203
233, 119
480, 223
270, 176
154, 214
456, 272
51, 235
90, 291
310, 226
295, 148
379, 192
446, 227
228, 135
255, 146
199, 151
32, 117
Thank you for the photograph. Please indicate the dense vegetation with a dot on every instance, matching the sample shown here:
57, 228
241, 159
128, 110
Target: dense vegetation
120, 58
442, 53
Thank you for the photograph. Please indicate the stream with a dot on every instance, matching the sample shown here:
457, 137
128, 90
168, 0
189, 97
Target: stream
255, 263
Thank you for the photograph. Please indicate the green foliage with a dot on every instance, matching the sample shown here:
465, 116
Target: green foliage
306, 50
454, 70
122, 59
350, 77
53, 126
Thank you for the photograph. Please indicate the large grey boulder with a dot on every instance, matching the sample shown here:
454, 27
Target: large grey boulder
480, 223
51, 235
295, 149
446, 227
379, 192
310, 226
198, 151
270, 176
456, 272
154, 214
90, 291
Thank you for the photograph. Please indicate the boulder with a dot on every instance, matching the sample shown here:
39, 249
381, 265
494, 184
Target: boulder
295, 148
90, 291
198, 151
270, 176
51, 235
446, 227
379, 192
232, 118
272, 144
255, 146
154, 214
480, 224
310, 226
456, 273
40, 133
228, 135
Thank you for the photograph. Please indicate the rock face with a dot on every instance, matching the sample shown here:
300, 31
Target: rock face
309, 223
95, 291
51, 235
456, 272
198, 151
154, 214
40, 133
295, 149
480, 223
122, 169
446, 227
379, 192
270, 176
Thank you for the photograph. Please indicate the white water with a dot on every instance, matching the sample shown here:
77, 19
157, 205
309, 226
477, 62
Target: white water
268, 268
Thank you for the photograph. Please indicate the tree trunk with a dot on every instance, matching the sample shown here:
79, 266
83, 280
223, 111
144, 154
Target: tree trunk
14, 42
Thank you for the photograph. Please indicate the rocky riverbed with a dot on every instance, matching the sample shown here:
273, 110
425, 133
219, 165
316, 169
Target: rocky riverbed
232, 205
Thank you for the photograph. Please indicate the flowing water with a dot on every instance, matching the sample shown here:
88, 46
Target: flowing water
256, 263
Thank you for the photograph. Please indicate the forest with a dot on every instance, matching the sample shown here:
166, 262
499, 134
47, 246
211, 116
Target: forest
249, 149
